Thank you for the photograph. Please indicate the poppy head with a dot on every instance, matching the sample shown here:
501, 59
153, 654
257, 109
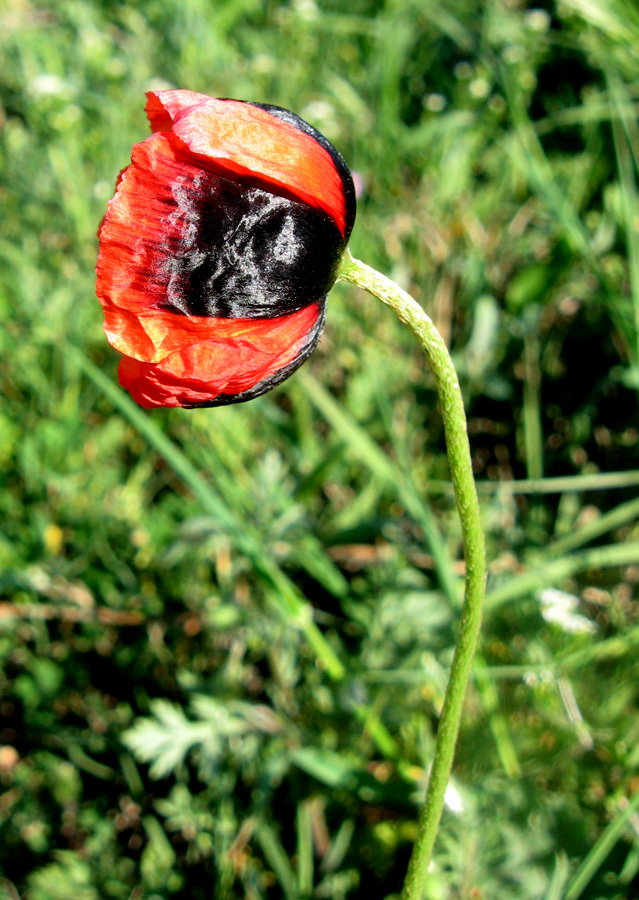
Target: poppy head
218, 250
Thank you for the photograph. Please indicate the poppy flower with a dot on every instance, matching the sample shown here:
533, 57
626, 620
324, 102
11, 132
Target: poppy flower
218, 250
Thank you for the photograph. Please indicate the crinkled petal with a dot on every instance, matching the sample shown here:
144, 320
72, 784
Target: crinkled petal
226, 367
249, 140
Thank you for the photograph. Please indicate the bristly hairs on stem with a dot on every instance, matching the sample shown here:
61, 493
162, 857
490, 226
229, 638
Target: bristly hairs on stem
458, 450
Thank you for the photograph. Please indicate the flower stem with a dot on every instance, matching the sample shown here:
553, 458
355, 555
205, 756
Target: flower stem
454, 417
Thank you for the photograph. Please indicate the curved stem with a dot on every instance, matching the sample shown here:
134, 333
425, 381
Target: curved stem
454, 417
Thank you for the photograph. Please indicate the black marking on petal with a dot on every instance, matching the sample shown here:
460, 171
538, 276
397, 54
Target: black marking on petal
235, 250
267, 384
285, 115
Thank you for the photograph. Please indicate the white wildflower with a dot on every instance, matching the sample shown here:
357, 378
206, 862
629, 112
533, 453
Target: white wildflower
559, 608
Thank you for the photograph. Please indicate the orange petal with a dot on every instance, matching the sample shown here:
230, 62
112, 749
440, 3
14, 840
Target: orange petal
251, 141
222, 365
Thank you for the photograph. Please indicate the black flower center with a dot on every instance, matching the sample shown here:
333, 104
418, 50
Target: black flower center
237, 250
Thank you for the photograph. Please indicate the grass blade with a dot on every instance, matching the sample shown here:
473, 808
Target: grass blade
630, 199
553, 572
304, 849
613, 519
607, 840
370, 455
284, 597
278, 860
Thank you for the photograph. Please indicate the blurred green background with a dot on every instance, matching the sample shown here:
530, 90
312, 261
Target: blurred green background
173, 721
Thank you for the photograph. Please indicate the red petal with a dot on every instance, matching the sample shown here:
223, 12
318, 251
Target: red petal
131, 276
232, 360
162, 107
248, 139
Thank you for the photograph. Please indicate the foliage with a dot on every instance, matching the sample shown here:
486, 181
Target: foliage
166, 729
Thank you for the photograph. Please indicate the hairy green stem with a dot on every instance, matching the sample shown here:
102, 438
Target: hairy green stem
454, 417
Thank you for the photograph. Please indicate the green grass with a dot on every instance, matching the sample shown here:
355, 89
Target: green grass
225, 634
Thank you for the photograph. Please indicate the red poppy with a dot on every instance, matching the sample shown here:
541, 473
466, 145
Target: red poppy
218, 250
